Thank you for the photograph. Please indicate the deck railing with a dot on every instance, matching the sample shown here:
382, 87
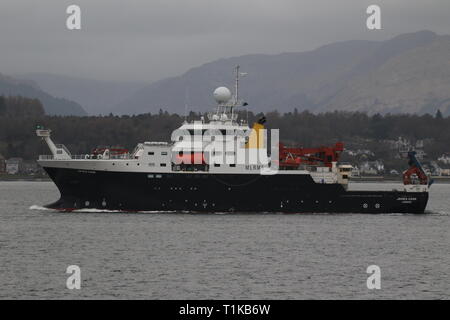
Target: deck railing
89, 157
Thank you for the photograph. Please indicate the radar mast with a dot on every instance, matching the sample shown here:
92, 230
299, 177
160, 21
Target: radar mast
226, 101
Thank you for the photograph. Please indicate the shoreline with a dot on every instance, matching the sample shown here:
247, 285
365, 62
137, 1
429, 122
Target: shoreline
19, 177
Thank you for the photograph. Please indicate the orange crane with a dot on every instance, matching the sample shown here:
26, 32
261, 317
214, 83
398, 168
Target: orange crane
293, 157
415, 168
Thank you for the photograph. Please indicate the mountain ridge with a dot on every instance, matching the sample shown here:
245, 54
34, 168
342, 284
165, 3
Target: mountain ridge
319, 80
96, 96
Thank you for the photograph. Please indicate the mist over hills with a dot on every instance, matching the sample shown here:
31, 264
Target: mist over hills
409, 73
96, 96
53, 106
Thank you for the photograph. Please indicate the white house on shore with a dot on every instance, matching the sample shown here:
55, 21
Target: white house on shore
14, 165
445, 158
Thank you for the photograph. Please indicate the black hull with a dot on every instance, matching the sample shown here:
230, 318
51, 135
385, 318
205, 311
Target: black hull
197, 192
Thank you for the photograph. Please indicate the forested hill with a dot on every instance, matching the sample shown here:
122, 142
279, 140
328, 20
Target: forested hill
356, 130
52, 105
13, 107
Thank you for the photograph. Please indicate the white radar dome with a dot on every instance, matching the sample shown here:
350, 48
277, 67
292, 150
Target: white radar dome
222, 94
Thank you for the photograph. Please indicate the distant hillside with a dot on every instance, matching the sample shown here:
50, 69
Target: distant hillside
96, 97
409, 73
53, 106
416, 81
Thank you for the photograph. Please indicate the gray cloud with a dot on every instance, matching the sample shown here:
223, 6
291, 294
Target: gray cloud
139, 40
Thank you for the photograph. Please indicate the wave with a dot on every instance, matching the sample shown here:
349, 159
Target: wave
92, 210
40, 208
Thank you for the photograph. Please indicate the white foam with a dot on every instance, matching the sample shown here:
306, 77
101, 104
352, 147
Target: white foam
94, 210
41, 208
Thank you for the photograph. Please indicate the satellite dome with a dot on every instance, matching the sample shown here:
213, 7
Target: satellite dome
222, 94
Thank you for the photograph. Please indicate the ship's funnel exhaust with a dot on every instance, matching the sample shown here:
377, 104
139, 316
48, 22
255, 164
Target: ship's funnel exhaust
256, 137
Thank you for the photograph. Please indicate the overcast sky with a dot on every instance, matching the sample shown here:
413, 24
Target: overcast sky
146, 40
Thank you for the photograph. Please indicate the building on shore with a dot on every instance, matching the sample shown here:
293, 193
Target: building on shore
445, 158
371, 167
356, 172
14, 166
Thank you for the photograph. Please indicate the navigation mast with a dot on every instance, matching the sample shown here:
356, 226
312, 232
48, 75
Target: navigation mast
236, 86
238, 74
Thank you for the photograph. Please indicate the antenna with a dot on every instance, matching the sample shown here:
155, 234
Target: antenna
236, 86
186, 102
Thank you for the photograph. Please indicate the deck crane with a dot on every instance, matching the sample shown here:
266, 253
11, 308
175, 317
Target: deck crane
415, 168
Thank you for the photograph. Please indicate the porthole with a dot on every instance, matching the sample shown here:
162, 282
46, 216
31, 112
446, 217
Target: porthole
365, 205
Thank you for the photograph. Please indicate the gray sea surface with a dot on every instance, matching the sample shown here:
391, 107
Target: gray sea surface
220, 256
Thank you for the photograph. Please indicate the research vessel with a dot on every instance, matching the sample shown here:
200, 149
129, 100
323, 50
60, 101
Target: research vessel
219, 163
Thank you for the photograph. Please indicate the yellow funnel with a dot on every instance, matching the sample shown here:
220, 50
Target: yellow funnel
256, 137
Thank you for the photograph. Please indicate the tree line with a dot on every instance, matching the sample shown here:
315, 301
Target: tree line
18, 106
82, 134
